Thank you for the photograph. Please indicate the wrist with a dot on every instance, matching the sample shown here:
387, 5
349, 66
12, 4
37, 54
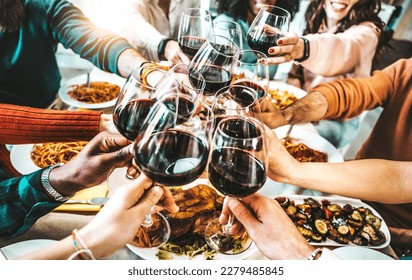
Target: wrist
305, 49
63, 181
161, 48
52, 189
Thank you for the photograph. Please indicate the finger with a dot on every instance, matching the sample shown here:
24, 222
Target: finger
168, 201
224, 215
132, 172
131, 193
243, 214
288, 39
149, 199
276, 50
184, 58
280, 59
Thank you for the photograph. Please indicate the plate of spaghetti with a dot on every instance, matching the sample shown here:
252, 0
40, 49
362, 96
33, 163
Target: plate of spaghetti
282, 95
31, 157
102, 91
304, 146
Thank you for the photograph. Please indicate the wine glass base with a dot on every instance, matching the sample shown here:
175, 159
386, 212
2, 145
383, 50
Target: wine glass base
225, 243
154, 235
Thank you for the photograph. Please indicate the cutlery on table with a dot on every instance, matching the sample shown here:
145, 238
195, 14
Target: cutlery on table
92, 201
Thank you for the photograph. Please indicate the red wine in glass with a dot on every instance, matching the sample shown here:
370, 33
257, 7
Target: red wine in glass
191, 44
172, 157
129, 118
185, 108
215, 77
236, 172
263, 42
261, 92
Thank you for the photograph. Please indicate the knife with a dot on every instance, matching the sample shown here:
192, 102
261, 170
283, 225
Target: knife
92, 201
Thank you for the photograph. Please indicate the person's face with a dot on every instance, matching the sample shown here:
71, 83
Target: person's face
11, 15
255, 5
338, 9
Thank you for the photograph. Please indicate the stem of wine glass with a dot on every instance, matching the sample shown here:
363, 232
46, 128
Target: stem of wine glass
228, 226
148, 221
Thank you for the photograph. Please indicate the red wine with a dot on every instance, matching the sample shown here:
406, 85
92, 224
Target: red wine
235, 172
172, 157
263, 42
261, 92
191, 44
185, 108
215, 77
129, 118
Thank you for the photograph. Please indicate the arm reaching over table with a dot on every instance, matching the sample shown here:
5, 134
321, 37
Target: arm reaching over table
114, 226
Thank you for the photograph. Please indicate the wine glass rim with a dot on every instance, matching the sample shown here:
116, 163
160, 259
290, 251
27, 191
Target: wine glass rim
226, 89
236, 25
259, 53
198, 74
248, 119
273, 7
225, 38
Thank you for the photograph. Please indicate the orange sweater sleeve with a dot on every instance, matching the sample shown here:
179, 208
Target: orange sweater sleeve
26, 125
350, 97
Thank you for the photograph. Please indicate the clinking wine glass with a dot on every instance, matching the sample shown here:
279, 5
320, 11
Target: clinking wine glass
230, 30
267, 27
237, 168
195, 26
215, 61
252, 70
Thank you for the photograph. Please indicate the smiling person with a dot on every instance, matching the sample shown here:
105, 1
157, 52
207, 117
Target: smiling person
341, 39
30, 31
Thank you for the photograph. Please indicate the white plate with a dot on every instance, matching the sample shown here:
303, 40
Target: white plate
20, 157
312, 140
117, 178
18, 249
299, 93
360, 253
96, 75
342, 201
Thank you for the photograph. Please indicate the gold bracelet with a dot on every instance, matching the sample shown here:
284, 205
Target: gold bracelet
149, 68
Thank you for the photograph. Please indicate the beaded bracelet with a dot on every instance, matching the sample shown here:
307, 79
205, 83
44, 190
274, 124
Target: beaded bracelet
314, 254
78, 251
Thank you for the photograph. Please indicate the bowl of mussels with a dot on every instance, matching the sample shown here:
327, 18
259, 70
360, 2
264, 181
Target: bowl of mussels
336, 221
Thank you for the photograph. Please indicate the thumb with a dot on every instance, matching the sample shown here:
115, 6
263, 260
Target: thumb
243, 215
122, 155
149, 199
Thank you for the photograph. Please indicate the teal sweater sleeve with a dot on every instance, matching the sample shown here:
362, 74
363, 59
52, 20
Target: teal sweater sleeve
22, 202
73, 30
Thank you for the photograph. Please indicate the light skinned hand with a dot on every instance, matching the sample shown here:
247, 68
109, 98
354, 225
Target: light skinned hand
289, 47
118, 221
174, 54
271, 116
269, 227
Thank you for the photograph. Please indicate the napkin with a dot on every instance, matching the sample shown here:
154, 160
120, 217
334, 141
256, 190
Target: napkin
97, 191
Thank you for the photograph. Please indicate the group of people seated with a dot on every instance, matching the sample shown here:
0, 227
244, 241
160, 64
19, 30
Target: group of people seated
332, 61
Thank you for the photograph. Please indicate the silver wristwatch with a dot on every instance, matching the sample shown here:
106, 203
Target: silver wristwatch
49, 188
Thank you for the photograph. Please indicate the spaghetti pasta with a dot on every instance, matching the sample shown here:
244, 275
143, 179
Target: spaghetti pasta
97, 92
281, 98
48, 154
302, 152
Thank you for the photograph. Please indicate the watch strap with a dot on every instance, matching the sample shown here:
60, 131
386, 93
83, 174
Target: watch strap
47, 186
161, 48
306, 50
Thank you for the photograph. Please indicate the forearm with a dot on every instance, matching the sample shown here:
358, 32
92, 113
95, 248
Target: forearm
128, 60
23, 125
308, 109
372, 179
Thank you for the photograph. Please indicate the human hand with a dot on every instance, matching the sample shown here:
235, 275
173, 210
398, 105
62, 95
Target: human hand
271, 116
269, 227
106, 123
119, 220
289, 47
103, 153
174, 54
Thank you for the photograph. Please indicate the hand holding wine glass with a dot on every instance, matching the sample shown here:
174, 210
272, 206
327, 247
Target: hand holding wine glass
237, 168
267, 27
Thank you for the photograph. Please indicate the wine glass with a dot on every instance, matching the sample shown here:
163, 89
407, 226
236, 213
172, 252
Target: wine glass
230, 30
215, 61
252, 70
195, 26
236, 168
172, 148
234, 100
267, 27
